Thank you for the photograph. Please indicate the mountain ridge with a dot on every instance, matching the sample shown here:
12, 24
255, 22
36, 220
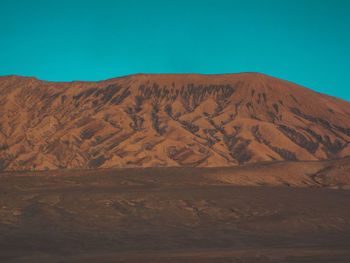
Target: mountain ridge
112, 79
147, 120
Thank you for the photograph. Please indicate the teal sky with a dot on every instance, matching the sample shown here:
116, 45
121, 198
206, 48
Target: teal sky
303, 41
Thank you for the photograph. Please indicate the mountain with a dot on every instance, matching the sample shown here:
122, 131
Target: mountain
148, 120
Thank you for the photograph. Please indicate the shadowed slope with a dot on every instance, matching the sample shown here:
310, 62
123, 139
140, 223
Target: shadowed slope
167, 120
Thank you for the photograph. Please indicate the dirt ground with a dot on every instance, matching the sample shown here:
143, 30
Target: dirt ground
168, 215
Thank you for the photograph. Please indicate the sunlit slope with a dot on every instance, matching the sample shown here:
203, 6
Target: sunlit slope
147, 120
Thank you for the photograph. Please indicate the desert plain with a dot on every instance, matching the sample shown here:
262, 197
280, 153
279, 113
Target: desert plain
255, 213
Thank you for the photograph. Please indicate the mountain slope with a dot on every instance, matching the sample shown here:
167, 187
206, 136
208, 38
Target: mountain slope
167, 120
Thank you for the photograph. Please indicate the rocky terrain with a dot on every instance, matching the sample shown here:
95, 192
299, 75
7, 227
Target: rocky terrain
240, 168
150, 120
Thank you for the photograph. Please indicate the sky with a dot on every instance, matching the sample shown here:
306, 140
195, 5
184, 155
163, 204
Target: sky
303, 41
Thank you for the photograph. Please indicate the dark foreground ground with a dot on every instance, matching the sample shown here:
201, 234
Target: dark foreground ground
167, 215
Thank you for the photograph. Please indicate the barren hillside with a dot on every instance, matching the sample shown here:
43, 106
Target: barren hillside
147, 120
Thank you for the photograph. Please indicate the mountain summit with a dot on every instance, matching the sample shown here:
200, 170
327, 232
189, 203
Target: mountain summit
150, 120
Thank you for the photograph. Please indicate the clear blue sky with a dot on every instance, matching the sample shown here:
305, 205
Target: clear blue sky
303, 41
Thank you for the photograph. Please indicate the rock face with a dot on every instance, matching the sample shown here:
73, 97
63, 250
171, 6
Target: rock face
150, 120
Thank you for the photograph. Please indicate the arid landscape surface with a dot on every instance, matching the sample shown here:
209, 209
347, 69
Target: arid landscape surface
255, 213
173, 168
149, 120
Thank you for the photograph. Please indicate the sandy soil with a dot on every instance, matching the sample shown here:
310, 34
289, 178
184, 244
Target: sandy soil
168, 215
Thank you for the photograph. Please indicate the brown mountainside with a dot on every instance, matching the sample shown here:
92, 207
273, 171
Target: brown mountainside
167, 120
